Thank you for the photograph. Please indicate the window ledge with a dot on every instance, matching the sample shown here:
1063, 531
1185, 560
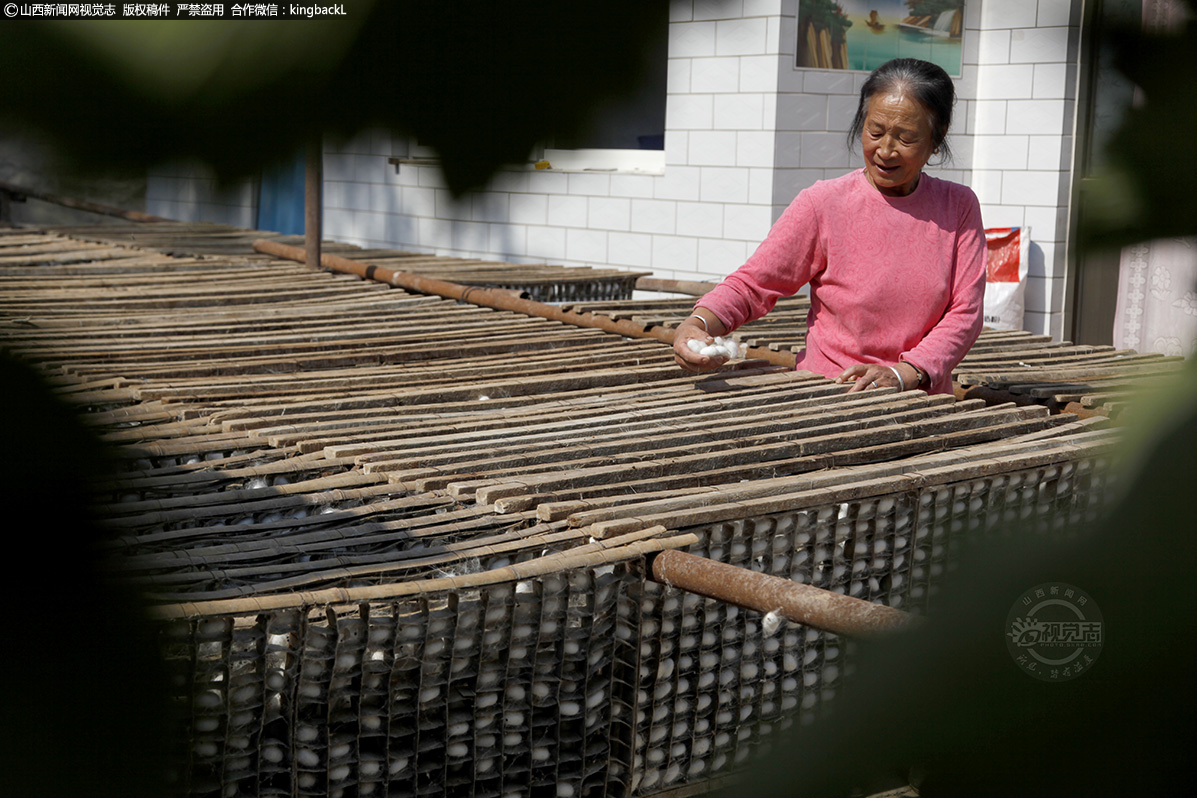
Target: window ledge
637, 162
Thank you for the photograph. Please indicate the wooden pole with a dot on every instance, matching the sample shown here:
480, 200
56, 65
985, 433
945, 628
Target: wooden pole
794, 601
313, 199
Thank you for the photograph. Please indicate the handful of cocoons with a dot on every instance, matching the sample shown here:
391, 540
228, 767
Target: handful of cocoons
723, 347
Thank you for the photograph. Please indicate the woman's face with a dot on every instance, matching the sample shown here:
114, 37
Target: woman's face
897, 139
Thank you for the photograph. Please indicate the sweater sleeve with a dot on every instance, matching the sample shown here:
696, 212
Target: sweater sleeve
944, 346
784, 262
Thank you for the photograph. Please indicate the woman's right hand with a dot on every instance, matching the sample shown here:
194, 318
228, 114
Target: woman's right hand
686, 357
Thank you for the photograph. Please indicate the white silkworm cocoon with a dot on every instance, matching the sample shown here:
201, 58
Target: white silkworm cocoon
458, 750
722, 347
307, 758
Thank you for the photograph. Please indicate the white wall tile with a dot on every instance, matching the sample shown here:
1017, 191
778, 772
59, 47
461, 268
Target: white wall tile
630, 249
678, 75
724, 185
993, 47
987, 185
698, 219
431, 233
754, 149
449, 208
823, 150
714, 75
339, 167
718, 9
742, 36
677, 147
712, 148
763, 8
1031, 188
546, 181
989, 117
1008, 14
470, 236
1038, 116
1006, 82
1053, 81
802, 112
999, 152
1038, 45
654, 216
607, 213
760, 185
673, 252
1047, 223
595, 185
546, 242
689, 111
828, 81
747, 222
528, 208
841, 108
739, 111
998, 215
1050, 152
1054, 12
416, 201
632, 185
775, 41
758, 73
721, 257
511, 180
567, 211
508, 240
691, 39
679, 183
789, 182
681, 10
586, 246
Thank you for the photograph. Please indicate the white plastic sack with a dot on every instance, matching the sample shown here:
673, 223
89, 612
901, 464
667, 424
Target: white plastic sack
1008, 254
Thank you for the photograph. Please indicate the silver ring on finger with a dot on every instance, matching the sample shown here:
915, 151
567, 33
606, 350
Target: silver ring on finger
874, 384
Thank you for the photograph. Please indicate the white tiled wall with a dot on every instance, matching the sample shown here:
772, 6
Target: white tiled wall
745, 131
191, 193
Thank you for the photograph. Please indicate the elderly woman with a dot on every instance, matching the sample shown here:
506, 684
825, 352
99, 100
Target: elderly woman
895, 258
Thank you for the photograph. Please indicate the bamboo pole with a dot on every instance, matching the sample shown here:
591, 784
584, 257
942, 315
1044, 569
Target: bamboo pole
497, 299
20, 193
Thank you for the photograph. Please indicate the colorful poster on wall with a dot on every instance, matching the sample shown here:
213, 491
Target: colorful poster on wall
864, 34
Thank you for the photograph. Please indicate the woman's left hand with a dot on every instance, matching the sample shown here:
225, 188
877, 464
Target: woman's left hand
864, 376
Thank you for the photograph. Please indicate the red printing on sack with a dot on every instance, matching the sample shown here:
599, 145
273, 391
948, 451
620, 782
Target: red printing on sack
1002, 244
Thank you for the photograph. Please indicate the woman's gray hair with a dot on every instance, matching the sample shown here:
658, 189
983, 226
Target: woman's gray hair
929, 84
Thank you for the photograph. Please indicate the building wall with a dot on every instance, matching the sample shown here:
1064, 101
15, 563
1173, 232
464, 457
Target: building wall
190, 192
745, 131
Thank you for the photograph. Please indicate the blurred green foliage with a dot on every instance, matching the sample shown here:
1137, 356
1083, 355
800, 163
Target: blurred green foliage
1146, 191
481, 82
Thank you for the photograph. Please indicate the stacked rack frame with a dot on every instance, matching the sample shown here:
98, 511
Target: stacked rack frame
395, 544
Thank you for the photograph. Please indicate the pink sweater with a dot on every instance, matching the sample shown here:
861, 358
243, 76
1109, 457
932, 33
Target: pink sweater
891, 277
